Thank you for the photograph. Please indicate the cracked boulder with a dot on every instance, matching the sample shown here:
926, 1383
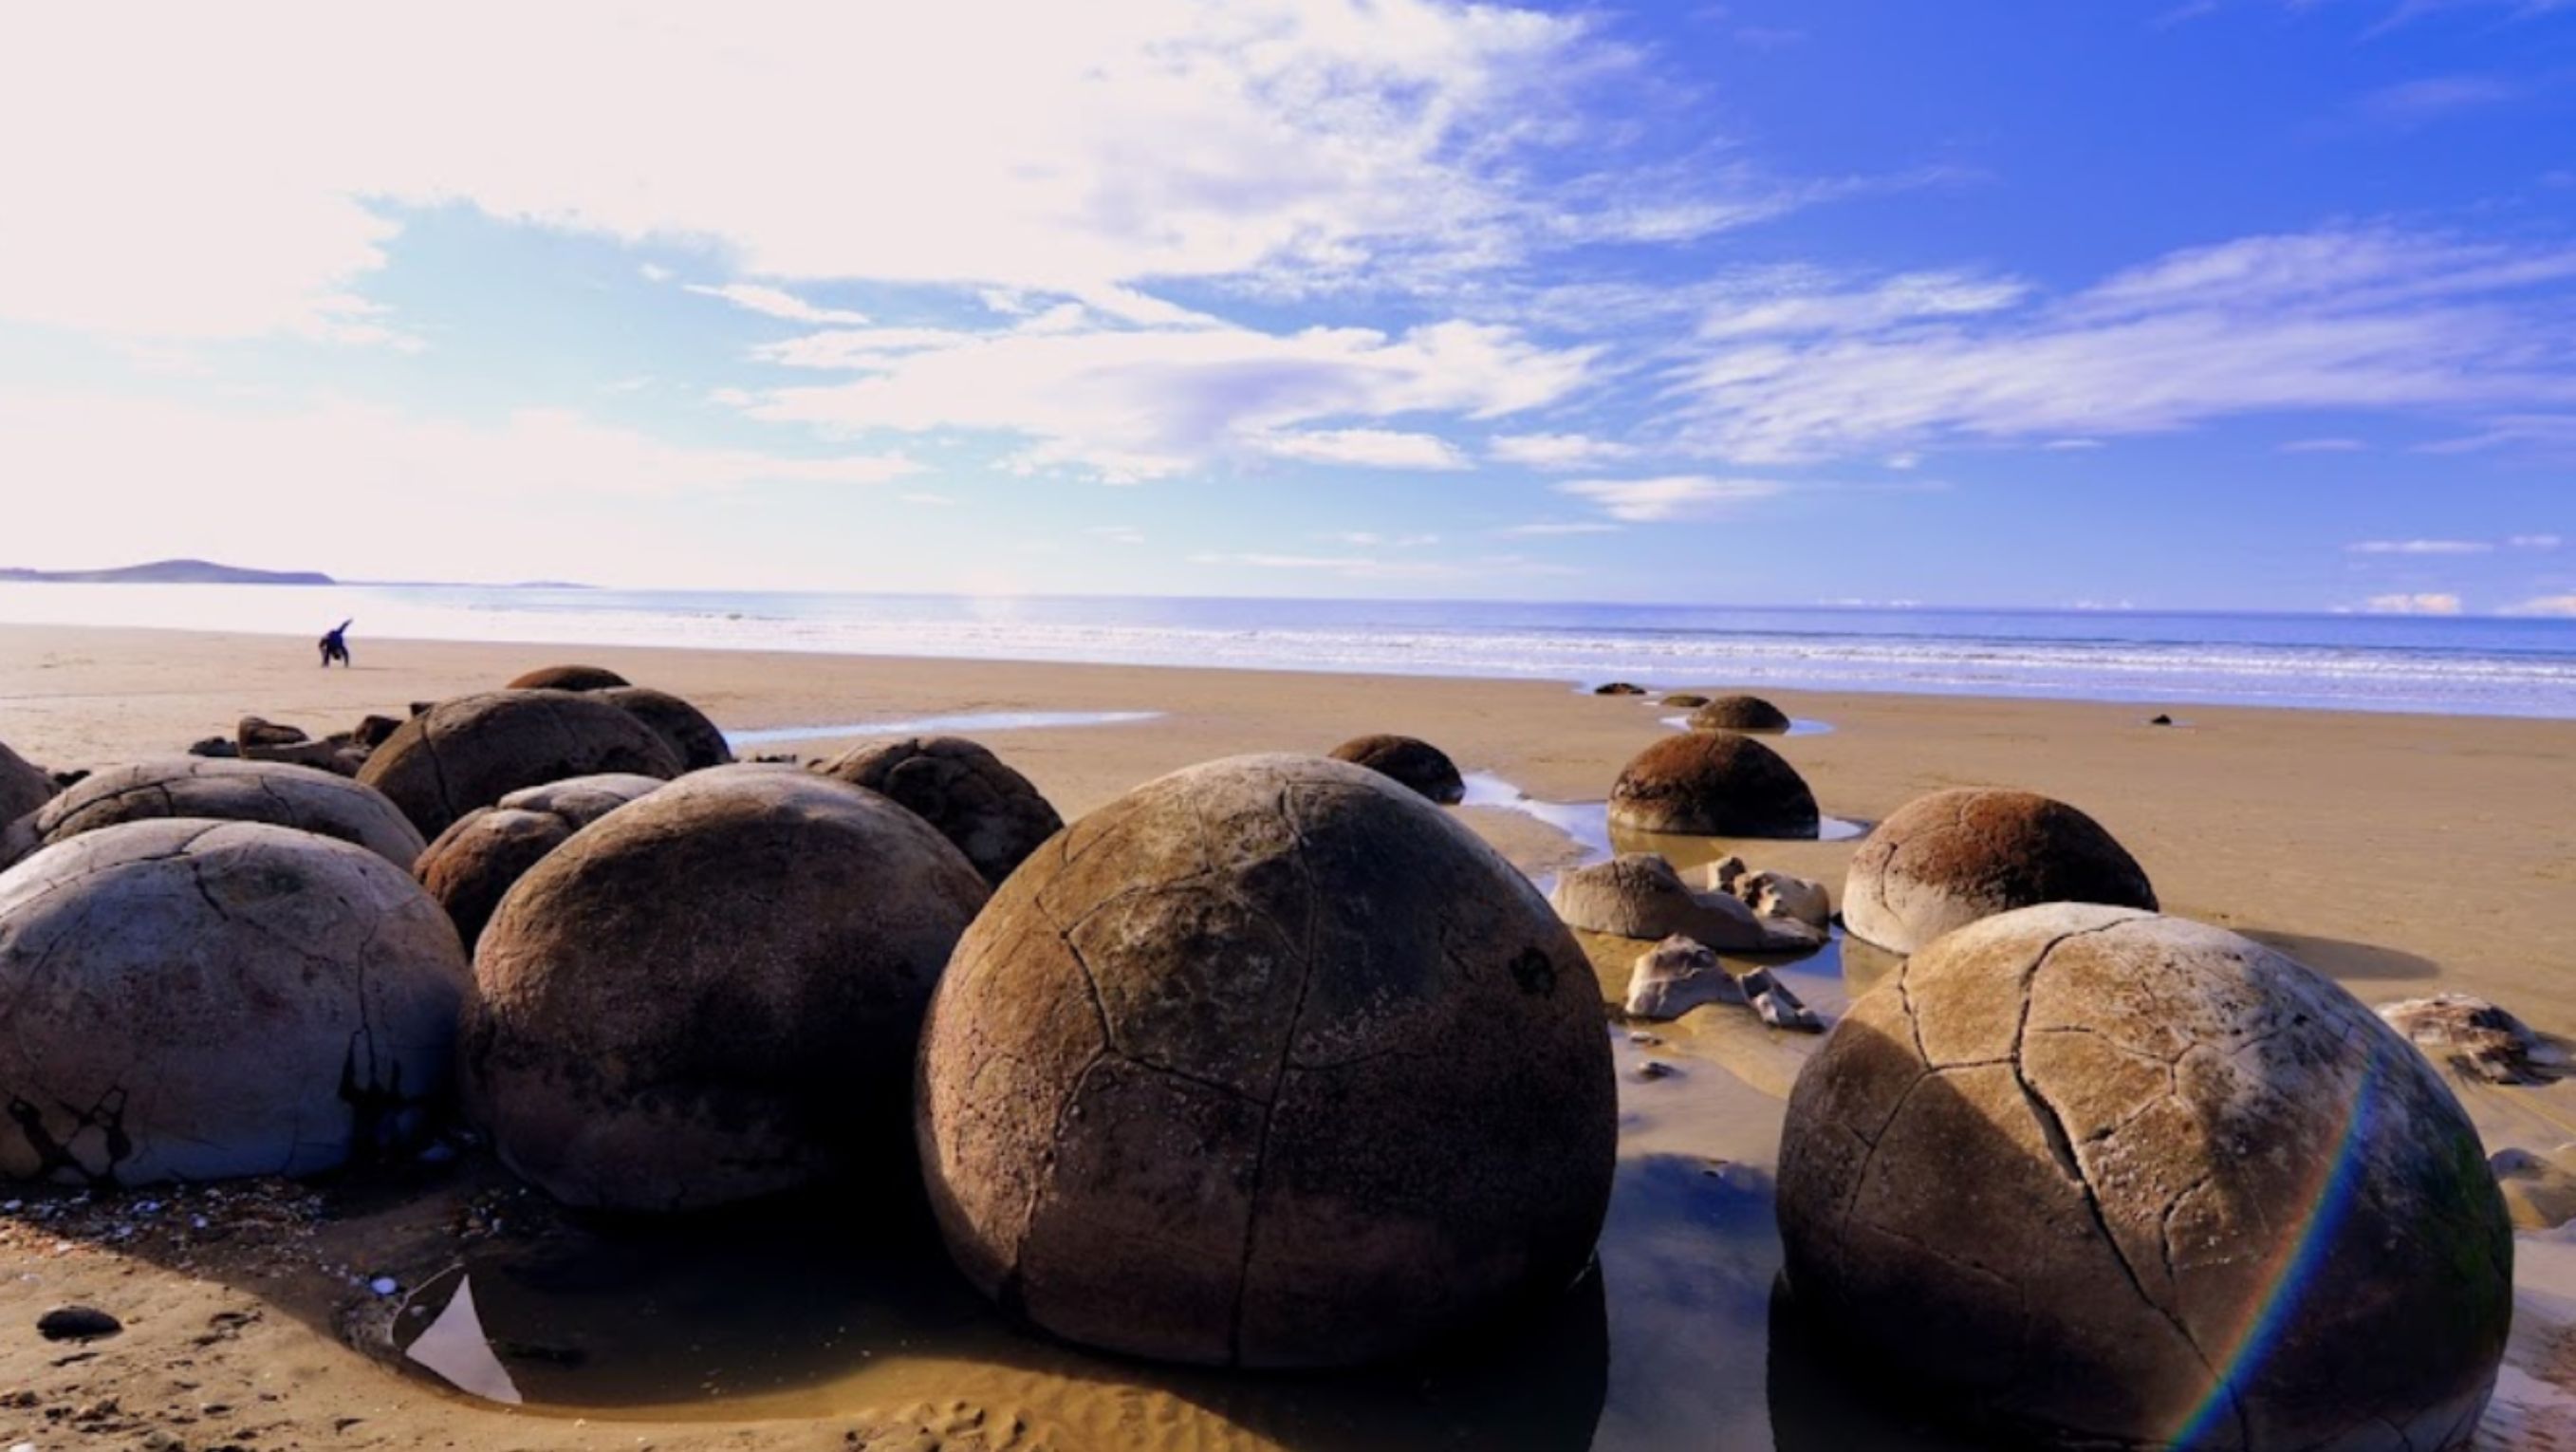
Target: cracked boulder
2477, 1038
1639, 895
1416, 763
694, 740
996, 816
24, 786
1738, 713
1713, 784
2093, 1177
1267, 1063
1945, 860
714, 993
471, 751
197, 1000
1772, 894
567, 678
302, 797
481, 854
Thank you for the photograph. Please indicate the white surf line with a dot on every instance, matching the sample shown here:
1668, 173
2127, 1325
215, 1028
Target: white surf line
962, 721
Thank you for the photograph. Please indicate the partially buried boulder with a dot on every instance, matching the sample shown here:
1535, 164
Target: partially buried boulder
1619, 688
195, 1000
567, 678
260, 731
1772, 894
1713, 783
24, 786
693, 739
2477, 1038
474, 863
229, 791
2091, 1177
471, 751
994, 815
1271, 1063
1738, 713
1639, 895
714, 993
1684, 699
1945, 860
1414, 762
582, 800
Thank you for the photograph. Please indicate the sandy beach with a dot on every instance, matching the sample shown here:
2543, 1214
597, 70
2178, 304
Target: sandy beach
2400, 854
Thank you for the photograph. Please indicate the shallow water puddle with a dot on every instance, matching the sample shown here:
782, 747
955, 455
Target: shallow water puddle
1798, 726
1588, 823
916, 725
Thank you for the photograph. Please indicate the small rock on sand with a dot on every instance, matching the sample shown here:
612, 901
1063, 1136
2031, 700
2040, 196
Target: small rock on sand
1772, 894
1619, 688
2477, 1038
1676, 976
1777, 1006
2539, 1191
77, 1323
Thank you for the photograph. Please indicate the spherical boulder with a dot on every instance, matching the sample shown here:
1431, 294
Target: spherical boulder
189, 999
1738, 713
694, 740
2095, 1177
1945, 860
582, 800
302, 797
469, 752
1268, 1063
1713, 783
474, 863
24, 786
713, 993
1416, 763
994, 814
567, 678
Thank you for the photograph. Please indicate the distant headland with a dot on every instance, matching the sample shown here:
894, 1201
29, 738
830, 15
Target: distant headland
171, 572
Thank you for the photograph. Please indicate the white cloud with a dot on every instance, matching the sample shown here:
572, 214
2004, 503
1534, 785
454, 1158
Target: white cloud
776, 303
1799, 304
2419, 547
928, 500
2559, 605
1670, 497
2322, 446
2534, 542
1372, 567
1556, 451
1126, 534
1367, 448
1370, 539
2422, 604
2354, 319
1132, 404
1556, 527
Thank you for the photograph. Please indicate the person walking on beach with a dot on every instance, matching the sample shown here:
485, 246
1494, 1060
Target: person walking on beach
335, 645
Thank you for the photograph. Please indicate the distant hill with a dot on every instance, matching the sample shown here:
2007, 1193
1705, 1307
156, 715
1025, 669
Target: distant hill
172, 572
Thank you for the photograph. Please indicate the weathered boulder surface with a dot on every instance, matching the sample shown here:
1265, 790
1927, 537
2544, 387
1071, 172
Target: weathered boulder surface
694, 740
474, 863
2091, 1177
1945, 860
1713, 784
1414, 762
2477, 1038
1271, 1063
582, 800
1639, 895
219, 790
190, 999
473, 750
567, 678
996, 816
1772, 894
24, 786
1675, 976
714, 993
1619, 688
260, 731
1738, 713
1684, 699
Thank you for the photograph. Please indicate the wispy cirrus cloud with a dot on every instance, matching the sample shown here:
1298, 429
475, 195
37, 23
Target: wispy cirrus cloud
1670, 496
2424, 603
2418, 547
775, 302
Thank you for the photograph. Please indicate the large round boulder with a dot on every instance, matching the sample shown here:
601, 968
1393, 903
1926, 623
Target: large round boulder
215, 789
470, 751
24, 786
191, 1000
994, 814
1738, 713
714, 993
567, 678
1945, 860
1269, 1063
694, 740
1713, 784
1414, 762
2093, 1177
582, 800
474, 863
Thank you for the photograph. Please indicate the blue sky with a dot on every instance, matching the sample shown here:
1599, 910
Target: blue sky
2244, 304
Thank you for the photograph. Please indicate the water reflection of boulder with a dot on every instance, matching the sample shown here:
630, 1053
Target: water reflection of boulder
1824, 1398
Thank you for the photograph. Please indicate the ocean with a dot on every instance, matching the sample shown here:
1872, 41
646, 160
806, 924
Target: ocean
2471, 665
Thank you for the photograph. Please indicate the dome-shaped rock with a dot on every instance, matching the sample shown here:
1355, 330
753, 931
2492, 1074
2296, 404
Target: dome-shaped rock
994, 814
582, 800
24, 786
301, 797
1639, 895
694, 740
1268, 1062
1416, 763
1945, 860
713, 993
567, 678
1713, 784
188, 999
1684, 699
474, 863
471, 751
2092, 1177
1738, 713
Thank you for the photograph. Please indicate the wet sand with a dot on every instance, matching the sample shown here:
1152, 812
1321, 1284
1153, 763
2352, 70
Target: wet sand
2401, 854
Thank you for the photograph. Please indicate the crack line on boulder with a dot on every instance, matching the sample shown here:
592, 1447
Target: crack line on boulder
1286, 806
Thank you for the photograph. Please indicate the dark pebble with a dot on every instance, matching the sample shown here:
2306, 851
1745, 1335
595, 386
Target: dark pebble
77, 1323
